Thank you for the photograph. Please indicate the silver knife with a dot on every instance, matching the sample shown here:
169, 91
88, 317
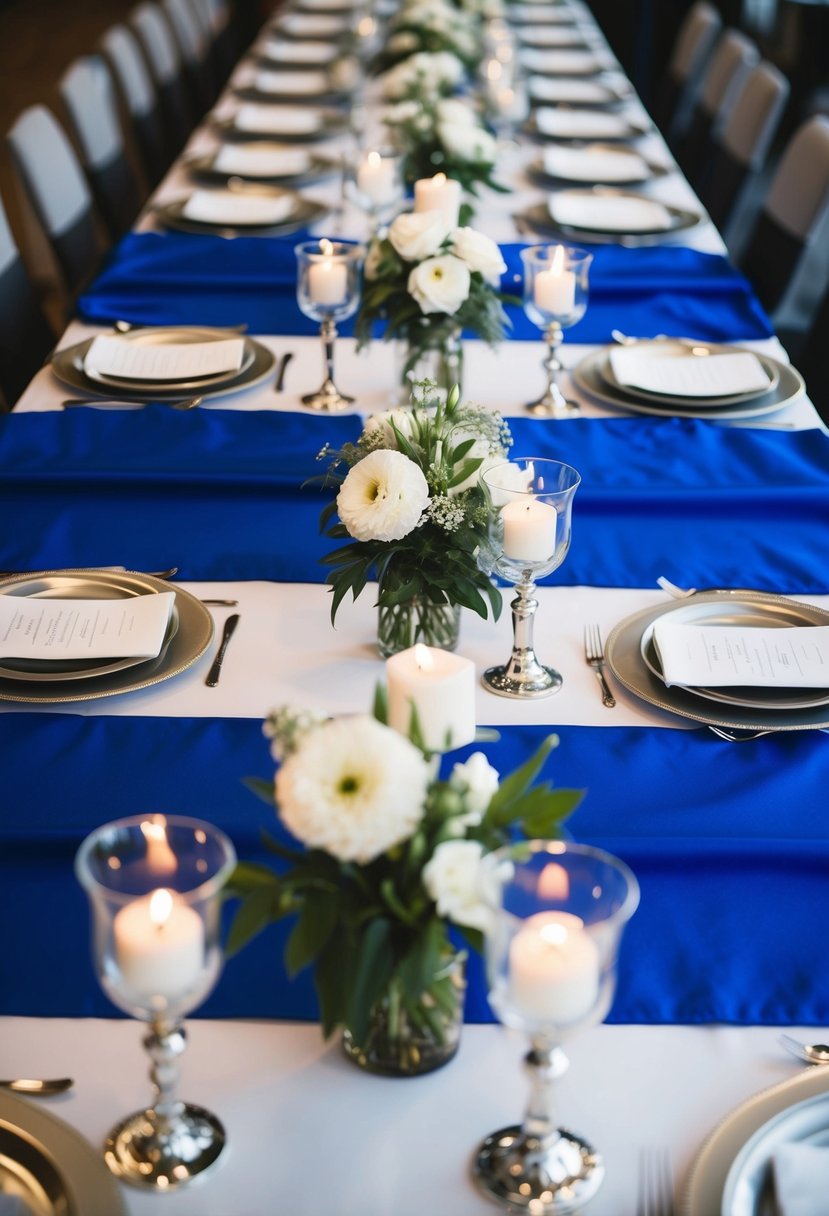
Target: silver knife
227, 633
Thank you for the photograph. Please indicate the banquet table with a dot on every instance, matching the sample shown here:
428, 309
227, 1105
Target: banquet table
703, 822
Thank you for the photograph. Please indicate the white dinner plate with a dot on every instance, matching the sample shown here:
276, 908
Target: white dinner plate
749, 1187
683, 349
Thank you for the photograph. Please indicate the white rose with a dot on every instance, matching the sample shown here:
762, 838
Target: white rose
450, 109
402, 419
444, 64
452, 879
478, 251
339, 790
418, 234
382, 497
477, 782
440, 284
466, 142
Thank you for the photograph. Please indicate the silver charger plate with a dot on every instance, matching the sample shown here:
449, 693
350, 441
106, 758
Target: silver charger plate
654, 170
539, 218
188, 643
330, 124
574, 38
704, 1186
329, 97
55, 1172
588, 377
203, 168
682, 348
624, 657
68, 366
631, 129
170, 335
171, 215
607, 97
749, 1188
749, 612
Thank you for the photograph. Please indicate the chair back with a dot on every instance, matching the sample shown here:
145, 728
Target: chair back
25, 336
57, 190
87, 92
194, 46
733, 58
158, 44
696, 37
139, 99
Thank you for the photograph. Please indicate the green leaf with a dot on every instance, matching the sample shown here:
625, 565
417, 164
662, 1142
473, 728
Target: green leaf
314, 925
512, 787
394, 902
374, 965
332, 978
542, 812
380, 707
256, 911
419, 967
261, 788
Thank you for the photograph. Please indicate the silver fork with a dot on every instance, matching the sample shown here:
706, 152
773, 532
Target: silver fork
656, 1184
594, 653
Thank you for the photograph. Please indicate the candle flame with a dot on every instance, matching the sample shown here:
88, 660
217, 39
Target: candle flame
494, 70
161, 905
423, 658
439, 179
326, 248
160, 857
553, 882
558, 260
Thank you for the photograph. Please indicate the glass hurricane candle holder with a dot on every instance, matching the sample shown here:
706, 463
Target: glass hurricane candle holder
557, 912
530, 506
328, 290
375, 184
154, 884
556, 285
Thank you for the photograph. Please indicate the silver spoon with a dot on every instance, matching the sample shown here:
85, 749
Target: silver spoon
812, 1053
37, 1088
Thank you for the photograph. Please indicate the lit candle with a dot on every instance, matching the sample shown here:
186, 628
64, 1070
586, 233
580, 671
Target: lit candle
376, 179
554, 290
529, 530
160, 857
439, 193
327, 278
441, 688
158, 945
554, 969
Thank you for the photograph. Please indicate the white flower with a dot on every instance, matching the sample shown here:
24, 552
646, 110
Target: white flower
382, 497
404, 111
478, 251
466, 142
354, 787
418, 234
402, 43
451, 877
476, 781
440, 284
507, 479
455, 111
402, 419
443, 64
374, 257
286, 727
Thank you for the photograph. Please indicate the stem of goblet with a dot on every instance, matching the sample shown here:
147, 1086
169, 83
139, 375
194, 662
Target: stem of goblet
523, 617
552, 364
328, 333
164, 1044
545, 1063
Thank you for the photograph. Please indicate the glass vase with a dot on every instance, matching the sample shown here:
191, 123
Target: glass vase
406, 1039
400, 626
440, 361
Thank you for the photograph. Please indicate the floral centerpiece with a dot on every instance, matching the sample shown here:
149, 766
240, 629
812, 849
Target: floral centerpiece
426, 74
443, 135
413, 511
432, 26
427, 283
390, 864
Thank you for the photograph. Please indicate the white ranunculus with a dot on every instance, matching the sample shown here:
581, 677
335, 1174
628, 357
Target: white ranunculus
440, 284
478, 251
382, 497
418, 234
402, 419
477, 782
466, 142
354, 788
452, 879
451, 109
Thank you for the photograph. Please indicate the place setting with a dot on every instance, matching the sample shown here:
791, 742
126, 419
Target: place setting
594, 164
270, 164
275, 83
578, 91
606, 215
564, 62
680, 377
282, 123
242, 208
78, 635
552, 36
296, 56
741, 661
564, 123
163, 363
303, 27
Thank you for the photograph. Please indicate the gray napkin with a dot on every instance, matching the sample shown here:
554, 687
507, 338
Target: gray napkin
801, 1180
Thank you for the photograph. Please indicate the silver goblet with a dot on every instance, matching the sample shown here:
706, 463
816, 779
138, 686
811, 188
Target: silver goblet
555, 297
328, 290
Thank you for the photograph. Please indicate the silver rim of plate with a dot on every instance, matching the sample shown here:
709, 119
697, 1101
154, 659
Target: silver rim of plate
587, 375
330, 124
627, 134
703, 1191
204, 168
539, 218
305, 212
684, 348
624, 657
50, 1167
183, 645
328, 97
654, 170
69, 367
611, 98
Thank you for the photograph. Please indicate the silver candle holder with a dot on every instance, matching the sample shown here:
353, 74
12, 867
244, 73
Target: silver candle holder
154, 886
530, 505
328, 290
556, 285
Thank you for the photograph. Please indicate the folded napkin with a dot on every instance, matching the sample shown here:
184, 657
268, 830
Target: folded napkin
267, 119
687, 375
300, 52
565, 62
801, 1179
236, 207
311, 25
249, 160
546, 88
606, 213
551, 35
298, 83
580, 124
599, 165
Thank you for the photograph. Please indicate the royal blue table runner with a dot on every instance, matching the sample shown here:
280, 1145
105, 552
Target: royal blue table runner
730, 845
220, 495
174, 279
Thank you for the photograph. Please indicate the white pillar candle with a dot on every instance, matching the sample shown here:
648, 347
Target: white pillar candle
376, 179
158, 945
554, 969
554, 290
439, 193
529, 530
441, 687
327, 278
